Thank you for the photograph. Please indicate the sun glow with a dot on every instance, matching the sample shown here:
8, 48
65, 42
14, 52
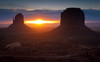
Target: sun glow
40, 21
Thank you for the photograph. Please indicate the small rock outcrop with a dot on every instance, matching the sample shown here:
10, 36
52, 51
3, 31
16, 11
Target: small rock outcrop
14, 45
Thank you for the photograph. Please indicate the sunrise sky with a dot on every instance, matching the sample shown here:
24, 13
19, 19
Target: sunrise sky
47, 10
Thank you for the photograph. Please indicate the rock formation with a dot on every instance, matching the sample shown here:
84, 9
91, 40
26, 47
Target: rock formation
19, 19
72, 23
72, 17
18, 25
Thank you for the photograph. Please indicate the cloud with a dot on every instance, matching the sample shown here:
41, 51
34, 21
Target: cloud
92, 15
8, 14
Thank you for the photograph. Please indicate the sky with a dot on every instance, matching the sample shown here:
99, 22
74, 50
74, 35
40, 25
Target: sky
47, 10
49, 4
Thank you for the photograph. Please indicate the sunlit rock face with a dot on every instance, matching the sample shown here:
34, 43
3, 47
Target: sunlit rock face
72, 17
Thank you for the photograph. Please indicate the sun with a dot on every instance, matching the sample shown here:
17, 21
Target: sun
40, 21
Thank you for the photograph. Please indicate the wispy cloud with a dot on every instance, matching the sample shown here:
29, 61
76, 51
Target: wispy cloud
8, 14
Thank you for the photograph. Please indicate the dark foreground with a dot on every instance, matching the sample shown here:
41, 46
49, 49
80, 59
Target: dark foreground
34, 48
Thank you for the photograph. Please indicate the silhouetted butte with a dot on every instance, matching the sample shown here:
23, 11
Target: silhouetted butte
18, 25
18, 21
72, 23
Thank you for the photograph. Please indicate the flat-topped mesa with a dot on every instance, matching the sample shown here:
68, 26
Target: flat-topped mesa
72, 23
19, 19
72, 17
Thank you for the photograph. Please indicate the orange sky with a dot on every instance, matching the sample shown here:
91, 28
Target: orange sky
40, 27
